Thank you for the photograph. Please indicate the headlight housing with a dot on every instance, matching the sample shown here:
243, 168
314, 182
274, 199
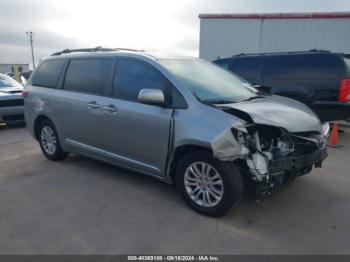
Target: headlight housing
239, 136
325, 130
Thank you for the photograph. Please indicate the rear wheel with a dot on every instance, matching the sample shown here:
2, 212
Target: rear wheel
208, 185
49, 142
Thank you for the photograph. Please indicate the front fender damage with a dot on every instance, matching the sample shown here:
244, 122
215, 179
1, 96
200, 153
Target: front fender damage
226, 148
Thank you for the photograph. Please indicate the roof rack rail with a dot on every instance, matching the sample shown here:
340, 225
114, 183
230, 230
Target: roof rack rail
94, 49
287, 52
129, 49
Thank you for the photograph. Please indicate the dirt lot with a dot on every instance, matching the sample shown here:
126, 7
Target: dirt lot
81, 206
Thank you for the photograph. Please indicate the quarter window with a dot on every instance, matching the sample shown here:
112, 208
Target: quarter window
88, 75
48, 73
131, 76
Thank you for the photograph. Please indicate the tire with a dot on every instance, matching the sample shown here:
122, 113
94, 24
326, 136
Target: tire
48, 136
229, 183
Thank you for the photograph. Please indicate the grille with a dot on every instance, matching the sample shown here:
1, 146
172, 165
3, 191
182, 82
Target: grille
11, 102
303, 147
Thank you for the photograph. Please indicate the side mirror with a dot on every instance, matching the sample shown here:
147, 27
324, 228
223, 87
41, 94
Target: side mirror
151, 96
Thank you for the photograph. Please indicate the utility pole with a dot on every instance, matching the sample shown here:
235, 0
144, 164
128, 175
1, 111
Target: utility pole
30, 34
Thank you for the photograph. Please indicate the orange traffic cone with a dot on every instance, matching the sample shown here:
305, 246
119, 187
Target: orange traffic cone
333, 140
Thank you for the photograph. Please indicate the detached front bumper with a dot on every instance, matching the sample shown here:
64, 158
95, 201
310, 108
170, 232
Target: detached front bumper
283, 171
297, 163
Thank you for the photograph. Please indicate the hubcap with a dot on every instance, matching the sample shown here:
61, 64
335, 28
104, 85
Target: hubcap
48, 140
203, 184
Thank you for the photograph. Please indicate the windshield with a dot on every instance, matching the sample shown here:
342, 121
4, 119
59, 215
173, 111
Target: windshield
6, 81
209, 82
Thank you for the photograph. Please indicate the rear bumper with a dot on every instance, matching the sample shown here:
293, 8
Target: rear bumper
332, 111
299, 162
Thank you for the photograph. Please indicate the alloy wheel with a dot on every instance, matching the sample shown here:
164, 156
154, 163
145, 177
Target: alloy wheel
48, 140
203, 184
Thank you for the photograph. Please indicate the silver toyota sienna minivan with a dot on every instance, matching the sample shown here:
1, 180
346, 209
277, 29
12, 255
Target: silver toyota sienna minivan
182, 120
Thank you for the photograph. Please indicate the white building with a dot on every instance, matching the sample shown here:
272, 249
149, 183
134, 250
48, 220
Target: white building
223, 35
5, 68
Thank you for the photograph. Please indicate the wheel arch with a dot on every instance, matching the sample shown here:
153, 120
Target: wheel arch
181, 151
37, 122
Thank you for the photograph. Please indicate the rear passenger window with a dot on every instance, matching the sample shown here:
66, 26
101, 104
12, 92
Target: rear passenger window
48, 73
248, 68
88, 75
131, 76
303, 66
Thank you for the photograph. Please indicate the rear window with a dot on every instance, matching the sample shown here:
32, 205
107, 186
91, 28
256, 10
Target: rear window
7, 81
48, 73
88, 75
303, 66
248, 68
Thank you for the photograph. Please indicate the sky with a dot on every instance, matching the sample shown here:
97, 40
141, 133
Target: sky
157, 26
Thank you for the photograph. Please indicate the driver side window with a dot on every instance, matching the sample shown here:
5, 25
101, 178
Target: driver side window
131, 76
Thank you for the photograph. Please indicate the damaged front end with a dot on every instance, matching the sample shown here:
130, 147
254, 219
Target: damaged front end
276, 156
271, 156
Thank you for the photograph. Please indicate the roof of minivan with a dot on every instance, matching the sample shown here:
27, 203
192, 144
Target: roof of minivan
141, 54
100, 53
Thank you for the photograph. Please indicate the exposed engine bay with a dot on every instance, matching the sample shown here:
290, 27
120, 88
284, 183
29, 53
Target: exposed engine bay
271, 156
276, 157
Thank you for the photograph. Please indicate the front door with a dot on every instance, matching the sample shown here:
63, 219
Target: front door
137, 135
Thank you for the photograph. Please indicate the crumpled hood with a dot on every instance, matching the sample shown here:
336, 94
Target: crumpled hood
280, 111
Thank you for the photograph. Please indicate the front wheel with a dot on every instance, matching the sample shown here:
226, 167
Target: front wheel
208, 185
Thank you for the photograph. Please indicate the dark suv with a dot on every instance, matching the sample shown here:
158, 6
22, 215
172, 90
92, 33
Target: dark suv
320, 79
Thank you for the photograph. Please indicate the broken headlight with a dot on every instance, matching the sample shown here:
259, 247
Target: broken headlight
238, 135
325, 129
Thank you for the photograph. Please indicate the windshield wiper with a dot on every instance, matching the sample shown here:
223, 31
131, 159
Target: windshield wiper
252, 98
218, 101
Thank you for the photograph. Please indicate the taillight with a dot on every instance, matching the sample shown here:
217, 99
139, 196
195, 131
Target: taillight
344, 91
25, 93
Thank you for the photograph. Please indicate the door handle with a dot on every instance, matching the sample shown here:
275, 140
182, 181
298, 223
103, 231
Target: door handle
110, 109
93, 105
